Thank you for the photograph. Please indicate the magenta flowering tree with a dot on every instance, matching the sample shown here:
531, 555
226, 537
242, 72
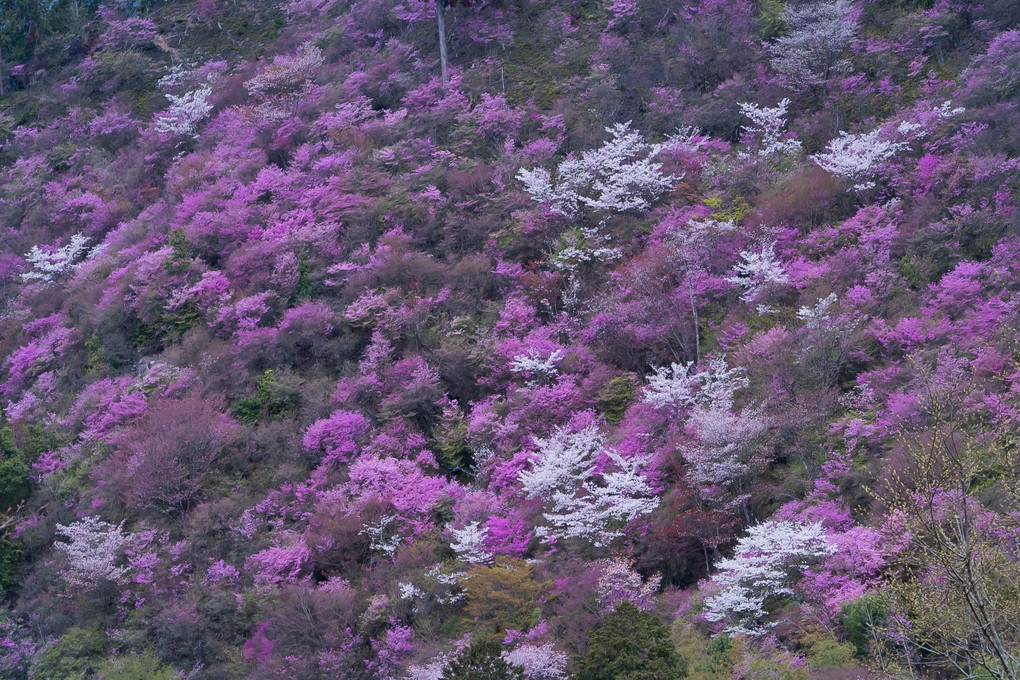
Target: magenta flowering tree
357, 359
161, 465
338, 437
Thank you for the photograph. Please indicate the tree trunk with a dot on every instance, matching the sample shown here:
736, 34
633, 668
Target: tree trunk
442, 41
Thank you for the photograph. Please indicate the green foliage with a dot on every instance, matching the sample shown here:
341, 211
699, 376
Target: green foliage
18, 20
13, 481
614, 398
706, 658
271, 401
454, 453
14, 470
180, 320
134, 667
181, 257
481, 661
826, 653
632, 645
860, 617
771, 669
11, 557
305, 287
738, 210
770, 19
39, 440
501, 597
143, 334
76, 656
94, 353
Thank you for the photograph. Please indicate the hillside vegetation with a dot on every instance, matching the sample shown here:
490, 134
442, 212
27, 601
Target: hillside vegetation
661, 340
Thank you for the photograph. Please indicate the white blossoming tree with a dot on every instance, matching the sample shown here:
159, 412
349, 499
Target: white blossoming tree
818, 36
469, 544
581, 501
674, 386
619, 176
723, 457
760, 272
49, 263
535, 367
679, 385
856, 158
92, 550
767, 126
763, 566
539, 662
185, 112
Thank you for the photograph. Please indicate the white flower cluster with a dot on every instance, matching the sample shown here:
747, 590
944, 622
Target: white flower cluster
767, 125
585, 503
719, 454
818, 34
185, 112
469, 544
679, 385
921, 128
48, 265
673, 386
377, 536
538, 662
856, 158
532, 364
761, 566
287, 73
584, 245
817, 317
687, 138
619, 176
759, 273
92, 552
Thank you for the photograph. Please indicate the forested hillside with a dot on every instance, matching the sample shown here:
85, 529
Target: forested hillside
640, 340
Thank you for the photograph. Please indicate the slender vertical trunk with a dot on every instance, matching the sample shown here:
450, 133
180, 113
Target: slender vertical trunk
1, 70
697, 331
442, 41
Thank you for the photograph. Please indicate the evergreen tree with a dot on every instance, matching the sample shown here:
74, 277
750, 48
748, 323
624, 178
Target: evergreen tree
633, 645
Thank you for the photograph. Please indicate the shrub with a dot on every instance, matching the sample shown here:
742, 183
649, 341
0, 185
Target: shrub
162, 463
134, 667
481, 661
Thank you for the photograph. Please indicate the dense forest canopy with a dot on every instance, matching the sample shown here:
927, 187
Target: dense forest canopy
593, 339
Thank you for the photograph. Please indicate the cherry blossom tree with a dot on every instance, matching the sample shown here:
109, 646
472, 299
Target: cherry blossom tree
186, 111
50, 263
617, 177
93, 551
539, 662
759, 274
766, 127
856, 158
762, 566
679, 386
586, 497
722, 457
469, 543
818, 35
